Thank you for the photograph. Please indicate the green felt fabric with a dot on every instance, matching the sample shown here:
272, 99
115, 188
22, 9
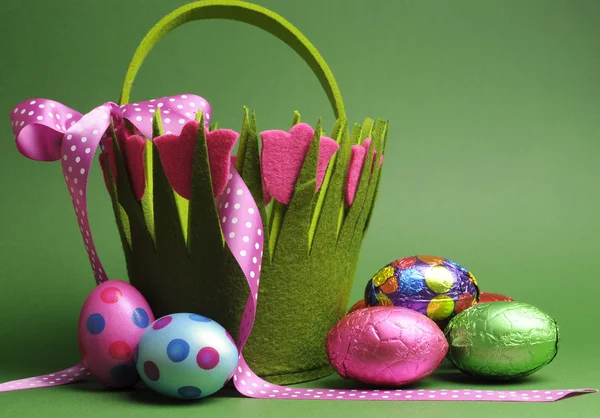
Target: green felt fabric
175, 250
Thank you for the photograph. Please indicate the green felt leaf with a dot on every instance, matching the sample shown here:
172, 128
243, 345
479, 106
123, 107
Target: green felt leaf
366, 130
120, 216
170, 241
319, 202
278, 211
384, 130
205, 238
297, 118
293, 235
243, 140
349, 223
148, 198
373, 181
327, 227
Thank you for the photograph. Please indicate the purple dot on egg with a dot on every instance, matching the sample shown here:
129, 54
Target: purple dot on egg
162, 322
189, 392
207, 358
95, 323
151, 370
140, 318
199, 318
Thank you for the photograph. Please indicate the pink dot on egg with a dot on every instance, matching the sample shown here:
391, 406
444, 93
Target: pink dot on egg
120, 350
111, 295
208, 358
162, 322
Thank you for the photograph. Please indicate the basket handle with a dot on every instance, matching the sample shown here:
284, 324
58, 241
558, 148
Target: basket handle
242, 12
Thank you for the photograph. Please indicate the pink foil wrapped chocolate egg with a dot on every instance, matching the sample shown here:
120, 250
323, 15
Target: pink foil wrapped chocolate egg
112, 320
389, 346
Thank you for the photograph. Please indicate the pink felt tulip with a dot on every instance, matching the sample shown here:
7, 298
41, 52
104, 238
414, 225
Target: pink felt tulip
283, 154
132, 148
357, 160
177, 157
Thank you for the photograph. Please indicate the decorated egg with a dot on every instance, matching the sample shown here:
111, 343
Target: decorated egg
433, 286
186, 356
485, 297
112, 320
361, 304
502, 340
385, 346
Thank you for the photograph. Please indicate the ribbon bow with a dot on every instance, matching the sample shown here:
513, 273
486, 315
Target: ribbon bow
49, 131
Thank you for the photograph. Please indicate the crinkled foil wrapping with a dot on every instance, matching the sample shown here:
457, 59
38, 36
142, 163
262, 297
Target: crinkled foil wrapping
502, 340
386, 346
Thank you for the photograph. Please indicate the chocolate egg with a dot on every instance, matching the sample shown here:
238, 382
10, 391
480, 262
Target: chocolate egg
433, 286
112, 320
486, 297
361, 304
385, 346
502, 340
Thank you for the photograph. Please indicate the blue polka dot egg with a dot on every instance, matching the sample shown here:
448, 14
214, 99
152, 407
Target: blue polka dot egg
186, 356
433, 286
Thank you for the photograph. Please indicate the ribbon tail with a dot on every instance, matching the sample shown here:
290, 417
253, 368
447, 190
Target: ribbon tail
73, 374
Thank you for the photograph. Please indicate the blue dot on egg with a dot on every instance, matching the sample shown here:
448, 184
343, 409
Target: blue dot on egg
140, 318
411, 282
178, 350
123, 373
189, 392
95, 323
199, 318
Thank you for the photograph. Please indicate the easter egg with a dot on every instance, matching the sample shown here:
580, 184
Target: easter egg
502, 340
112, 320
361, 304
385, 346
186, 356
486, 297
433, 286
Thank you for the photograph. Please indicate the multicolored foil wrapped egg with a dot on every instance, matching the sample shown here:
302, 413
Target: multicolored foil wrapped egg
433, 286
112, 320
385, 346
186, 356
502, 340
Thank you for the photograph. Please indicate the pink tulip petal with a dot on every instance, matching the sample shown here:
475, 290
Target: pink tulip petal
133, 148
357, 161
220, 143
283, 154
327, 148
177, 157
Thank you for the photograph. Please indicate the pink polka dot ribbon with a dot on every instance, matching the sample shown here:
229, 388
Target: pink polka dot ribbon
49, 131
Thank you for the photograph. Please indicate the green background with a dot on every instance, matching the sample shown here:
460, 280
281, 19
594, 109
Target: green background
493, 161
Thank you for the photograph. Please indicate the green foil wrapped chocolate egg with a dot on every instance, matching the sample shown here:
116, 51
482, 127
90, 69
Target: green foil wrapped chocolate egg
502, 340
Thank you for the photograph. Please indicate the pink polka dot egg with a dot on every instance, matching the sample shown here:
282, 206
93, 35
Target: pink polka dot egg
186, 356
112, 320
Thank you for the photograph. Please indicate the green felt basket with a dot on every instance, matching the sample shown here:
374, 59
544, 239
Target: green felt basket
313, 242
